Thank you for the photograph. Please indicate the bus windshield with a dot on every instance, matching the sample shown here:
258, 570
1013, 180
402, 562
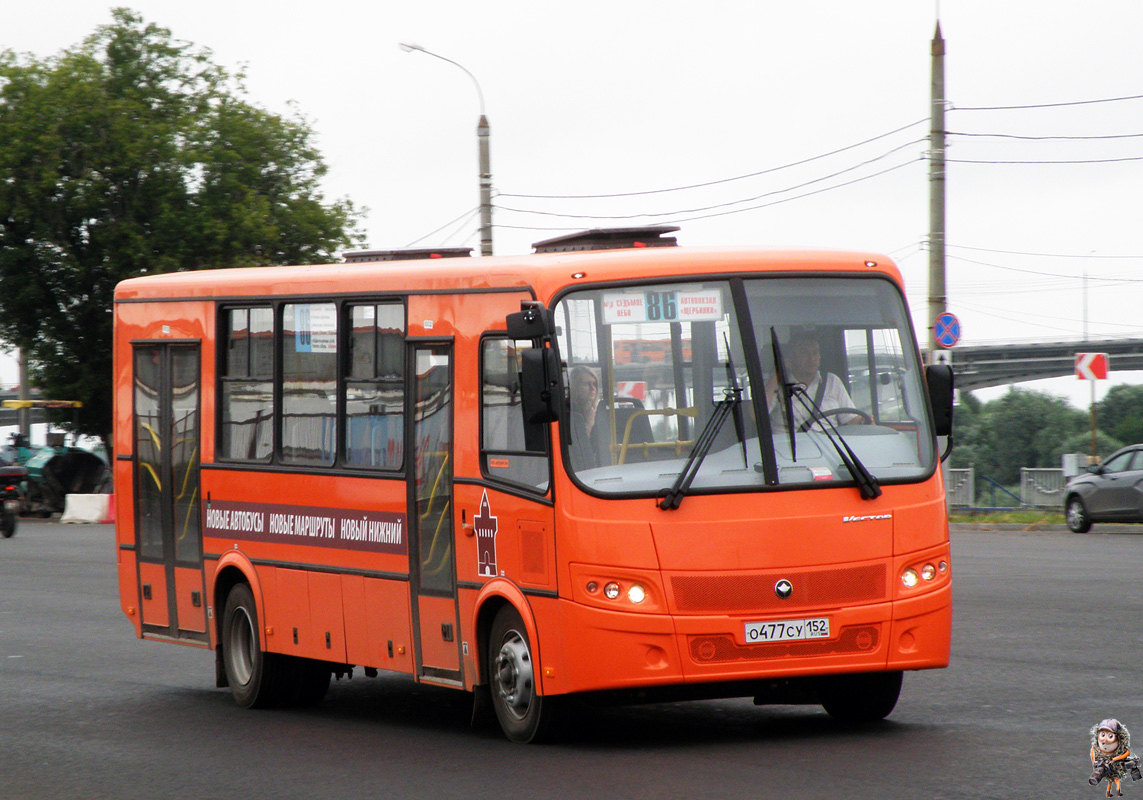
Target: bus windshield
649, 365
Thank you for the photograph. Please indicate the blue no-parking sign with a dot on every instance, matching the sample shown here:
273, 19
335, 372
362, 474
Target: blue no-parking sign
947, 329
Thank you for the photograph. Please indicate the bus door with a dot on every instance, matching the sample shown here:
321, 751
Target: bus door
432, 560
168, 531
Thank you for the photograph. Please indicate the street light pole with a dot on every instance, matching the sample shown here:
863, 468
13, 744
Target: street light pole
485, 163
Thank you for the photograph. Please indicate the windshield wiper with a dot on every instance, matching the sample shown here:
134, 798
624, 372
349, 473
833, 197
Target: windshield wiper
869, 486
732, 381
785, 389
670, 498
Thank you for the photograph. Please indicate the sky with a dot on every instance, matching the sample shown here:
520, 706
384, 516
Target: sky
796, 123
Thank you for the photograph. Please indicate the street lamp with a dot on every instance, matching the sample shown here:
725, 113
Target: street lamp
482, 149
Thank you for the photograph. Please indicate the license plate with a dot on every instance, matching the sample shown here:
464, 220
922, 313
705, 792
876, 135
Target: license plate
787, 630
11, 505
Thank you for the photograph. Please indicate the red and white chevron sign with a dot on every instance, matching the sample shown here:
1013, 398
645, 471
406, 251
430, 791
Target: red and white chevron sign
1091, 366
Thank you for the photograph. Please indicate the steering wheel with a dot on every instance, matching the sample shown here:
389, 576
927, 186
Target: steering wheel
865, 416
840, 410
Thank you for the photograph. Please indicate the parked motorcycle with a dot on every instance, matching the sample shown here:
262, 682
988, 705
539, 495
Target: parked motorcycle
12, 498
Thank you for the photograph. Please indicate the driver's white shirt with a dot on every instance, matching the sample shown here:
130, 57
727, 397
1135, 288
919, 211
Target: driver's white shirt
835, 396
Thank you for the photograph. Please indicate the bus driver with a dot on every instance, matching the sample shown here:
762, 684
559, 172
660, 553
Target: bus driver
803, 356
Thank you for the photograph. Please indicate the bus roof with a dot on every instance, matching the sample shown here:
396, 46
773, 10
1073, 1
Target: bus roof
546, 273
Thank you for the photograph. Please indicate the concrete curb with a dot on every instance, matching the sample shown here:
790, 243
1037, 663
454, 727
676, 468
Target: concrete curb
1043, 527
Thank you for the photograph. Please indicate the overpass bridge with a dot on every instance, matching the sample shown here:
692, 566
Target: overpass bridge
983, 365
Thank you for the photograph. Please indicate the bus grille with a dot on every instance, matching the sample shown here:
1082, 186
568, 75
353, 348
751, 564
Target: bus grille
830, 587
723, 648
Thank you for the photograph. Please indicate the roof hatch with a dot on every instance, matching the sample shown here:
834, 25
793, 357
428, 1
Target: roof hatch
609, 239
406, 255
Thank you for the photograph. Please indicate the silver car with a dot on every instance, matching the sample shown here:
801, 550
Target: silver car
1111, 491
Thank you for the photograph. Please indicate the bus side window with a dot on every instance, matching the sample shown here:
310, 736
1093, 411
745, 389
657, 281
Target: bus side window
309, 383
375, 386
246, 431
503, 455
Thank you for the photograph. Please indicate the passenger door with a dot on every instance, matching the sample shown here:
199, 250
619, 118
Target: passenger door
168, 530
432, 556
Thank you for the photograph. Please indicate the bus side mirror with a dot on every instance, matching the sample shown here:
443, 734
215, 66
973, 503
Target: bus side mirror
940, 380
539, 394
533, 321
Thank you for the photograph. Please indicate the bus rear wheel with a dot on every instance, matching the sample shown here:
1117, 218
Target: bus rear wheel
257, 679
866, 697
524, 714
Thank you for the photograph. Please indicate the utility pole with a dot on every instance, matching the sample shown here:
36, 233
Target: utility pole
485, 167
937, 297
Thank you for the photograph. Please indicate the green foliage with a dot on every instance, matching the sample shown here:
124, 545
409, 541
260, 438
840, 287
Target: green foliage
1105, 445
131, 154
1121, 413
1021, 428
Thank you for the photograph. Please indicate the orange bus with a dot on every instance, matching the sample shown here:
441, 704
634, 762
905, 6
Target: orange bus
582, 472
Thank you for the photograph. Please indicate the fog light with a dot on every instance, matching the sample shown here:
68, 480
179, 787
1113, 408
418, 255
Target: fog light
928, 572
909, 578
611, 590
636, 594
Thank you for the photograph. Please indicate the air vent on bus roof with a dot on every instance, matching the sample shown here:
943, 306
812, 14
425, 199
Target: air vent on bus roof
406, 255
609, 239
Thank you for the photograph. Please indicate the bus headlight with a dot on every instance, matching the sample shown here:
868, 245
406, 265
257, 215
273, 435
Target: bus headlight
611, 590
636, 594
909, 578
928, 572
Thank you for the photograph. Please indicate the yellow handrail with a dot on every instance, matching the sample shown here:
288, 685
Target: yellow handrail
691, 412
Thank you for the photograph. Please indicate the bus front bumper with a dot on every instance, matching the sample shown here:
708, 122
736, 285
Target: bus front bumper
606, 650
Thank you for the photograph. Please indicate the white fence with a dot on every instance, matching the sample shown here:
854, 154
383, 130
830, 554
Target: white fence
1039, 488
960, 487
1042, 488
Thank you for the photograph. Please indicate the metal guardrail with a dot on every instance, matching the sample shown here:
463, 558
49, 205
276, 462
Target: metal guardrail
1042, 488
1039, 488
960, 487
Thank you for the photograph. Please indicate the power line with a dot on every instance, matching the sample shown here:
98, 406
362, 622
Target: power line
1038, 255
716, 205
442, 227
714, 182
1038, 272
1046, 138
1049, 105
722, 213
1044, 161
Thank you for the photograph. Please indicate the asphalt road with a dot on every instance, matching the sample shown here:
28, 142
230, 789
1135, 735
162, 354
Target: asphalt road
1047, 642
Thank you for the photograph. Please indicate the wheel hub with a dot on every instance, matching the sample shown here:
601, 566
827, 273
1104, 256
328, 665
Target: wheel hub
513, 675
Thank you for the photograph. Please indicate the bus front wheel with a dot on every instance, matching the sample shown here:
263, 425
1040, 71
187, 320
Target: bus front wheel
861, 698
257, 679
524, 714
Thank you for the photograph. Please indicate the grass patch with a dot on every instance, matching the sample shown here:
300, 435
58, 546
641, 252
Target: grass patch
1025, 516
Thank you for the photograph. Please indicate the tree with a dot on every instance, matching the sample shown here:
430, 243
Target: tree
133, 154
1021, 428
1121, 413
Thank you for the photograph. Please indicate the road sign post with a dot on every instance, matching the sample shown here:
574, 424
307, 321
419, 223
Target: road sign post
1092, 367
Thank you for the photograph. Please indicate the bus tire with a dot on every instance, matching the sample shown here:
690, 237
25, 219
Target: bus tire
524, 714
257, 679
309, 683
866, 697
